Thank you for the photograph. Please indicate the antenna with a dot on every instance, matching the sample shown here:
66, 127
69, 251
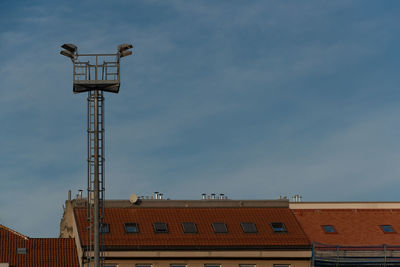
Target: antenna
95, 74
133, 198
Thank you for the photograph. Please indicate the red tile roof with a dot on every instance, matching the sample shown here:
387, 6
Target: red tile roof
57, 252
203, 217
355, 227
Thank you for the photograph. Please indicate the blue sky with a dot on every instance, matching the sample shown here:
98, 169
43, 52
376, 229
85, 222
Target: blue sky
254, 99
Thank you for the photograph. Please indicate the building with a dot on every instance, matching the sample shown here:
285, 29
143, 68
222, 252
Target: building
17, 250
351, 233
193, 233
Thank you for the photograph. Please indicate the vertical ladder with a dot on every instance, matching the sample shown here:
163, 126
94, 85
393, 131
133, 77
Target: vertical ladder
95, 211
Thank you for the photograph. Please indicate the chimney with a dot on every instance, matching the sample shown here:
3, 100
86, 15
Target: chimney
203, 196
212, 196
221, 196
80, 194
155, 195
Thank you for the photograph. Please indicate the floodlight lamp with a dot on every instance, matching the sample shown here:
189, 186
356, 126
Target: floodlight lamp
70, 47
67, 54
125, 53
123, 47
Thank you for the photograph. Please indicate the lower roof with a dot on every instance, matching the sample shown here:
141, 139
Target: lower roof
49, 252
353, 227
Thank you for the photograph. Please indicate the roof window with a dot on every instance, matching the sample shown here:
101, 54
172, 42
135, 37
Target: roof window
21, 250
189, 227
387, 228
278, 227
131, 228
329, 229
219, 228
160, 227
249, 227
104, 228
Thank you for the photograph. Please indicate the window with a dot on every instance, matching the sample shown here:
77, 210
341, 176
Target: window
220, 228
178, 265
329, 229
108, 265
21, 250
249, 227
387, 228
143, 265
247, 265
212, 265
278, 227
104, 228
160, 227
281, 265
189, 227
131, 228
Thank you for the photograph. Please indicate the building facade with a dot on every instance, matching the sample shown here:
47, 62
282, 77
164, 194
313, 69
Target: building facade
351, 233
196, 233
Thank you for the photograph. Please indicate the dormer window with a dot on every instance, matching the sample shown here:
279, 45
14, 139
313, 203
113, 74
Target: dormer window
131, 228
160, 227
104, 228
387, 228
329, 229
220, 228
278, 227
249, 227
189, 227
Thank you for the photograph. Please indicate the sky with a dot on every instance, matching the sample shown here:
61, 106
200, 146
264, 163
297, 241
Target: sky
254, 99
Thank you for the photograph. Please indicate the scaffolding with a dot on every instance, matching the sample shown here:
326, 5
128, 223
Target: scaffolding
355, 256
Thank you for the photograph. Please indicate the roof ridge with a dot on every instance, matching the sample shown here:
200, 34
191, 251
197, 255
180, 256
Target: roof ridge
14, 232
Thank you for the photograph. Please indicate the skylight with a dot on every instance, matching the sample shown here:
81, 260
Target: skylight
249, 227
219, 228
104, 228
329, 229
278, 227
387, 228
160, 227
21, 250
189, 227
131, 228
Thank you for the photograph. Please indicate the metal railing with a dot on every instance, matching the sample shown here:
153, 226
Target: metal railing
351, 256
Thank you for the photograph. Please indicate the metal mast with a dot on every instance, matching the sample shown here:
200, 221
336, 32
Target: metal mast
95, 74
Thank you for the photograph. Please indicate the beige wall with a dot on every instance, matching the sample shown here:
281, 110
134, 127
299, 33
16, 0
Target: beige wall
200, 263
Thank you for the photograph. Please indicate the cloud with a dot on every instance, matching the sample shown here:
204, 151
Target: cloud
249, 99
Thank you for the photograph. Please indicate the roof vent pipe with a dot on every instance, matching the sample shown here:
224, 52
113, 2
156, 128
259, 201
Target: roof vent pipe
155, 195
203, 196
212, 196
80, 194
221, 196
296, 198
160, 196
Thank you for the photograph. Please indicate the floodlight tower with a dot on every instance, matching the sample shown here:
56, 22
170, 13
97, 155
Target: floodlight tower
95, 74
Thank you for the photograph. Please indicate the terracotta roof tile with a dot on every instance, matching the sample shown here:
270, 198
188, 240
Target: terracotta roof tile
203, 217
355, 227
57, 252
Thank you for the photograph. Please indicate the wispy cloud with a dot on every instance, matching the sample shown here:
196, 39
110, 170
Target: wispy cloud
251, 99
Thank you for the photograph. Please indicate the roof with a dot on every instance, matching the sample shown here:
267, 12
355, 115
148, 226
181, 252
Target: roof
354, 227
205, 238
60, 252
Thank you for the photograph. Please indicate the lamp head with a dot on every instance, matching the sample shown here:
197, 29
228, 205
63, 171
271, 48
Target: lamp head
70, 47
123, 50
123, 47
